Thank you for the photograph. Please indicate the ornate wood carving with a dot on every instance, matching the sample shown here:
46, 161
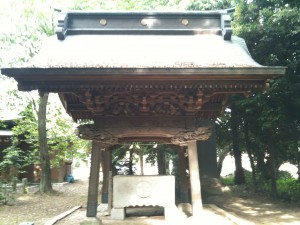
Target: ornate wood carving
198, 134
203, 99
90, 132
144, 102
111, 136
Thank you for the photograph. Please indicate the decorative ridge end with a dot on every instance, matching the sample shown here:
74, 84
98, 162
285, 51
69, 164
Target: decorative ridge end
62, 26
226, 27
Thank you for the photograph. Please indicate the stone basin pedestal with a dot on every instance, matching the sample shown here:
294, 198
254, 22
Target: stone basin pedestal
139, 191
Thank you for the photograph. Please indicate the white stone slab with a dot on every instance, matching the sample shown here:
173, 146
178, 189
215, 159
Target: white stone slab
143, 191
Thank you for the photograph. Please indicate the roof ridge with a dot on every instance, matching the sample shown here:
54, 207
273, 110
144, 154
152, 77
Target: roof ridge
142, 22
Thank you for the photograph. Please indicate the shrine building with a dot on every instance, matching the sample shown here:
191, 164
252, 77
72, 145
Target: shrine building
145, 76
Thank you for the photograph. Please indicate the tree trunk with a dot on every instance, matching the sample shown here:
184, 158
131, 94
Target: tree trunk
130, 170
161, 162
261, 165
239, 177
273, 167
249, 152
298, 167
222, 156
141, 162
45, 182
296, 148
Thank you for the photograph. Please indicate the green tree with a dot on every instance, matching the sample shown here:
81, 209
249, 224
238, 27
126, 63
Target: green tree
45, 183
209, 5
271, 30
29, 22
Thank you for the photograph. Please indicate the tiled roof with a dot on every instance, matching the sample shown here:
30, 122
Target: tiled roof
143, 51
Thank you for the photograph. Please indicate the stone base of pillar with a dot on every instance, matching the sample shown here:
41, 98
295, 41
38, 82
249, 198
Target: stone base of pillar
103, 210
185, 208
103, 207
171, 213
197, 209
91, 221
117, 213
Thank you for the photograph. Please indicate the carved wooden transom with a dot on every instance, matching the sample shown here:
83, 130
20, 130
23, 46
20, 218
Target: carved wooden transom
173, 134
144, 102
201, 99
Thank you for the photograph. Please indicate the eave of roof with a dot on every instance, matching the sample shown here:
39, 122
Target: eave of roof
91, 50
130, 73
6, 133
97, 54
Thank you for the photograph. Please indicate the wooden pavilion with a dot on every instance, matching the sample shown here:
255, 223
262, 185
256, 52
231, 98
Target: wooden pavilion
145, 76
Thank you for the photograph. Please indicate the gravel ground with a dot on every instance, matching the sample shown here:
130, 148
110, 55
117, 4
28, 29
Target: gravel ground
39, 208
240, 210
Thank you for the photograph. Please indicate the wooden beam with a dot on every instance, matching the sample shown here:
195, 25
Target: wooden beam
62, 215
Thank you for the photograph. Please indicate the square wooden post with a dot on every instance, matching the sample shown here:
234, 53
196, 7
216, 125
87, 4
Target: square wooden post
94, 180
195, 178
184, 195
106, 167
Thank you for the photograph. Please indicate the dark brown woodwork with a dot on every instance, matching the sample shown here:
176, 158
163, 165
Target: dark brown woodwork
106, 167
184, 194
90, 92
110, 136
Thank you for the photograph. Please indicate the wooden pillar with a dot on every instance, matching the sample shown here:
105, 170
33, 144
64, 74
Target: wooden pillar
194, 178
106, 167
184, 196
94, 180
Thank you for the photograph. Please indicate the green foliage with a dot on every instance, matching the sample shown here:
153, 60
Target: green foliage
284, 175
228, 180
125, 5
209, 5
271, 30
13, 157
121, 155
19, 154
121, 160
289, 190
144, 5
64, 145
28, 22
6, 194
